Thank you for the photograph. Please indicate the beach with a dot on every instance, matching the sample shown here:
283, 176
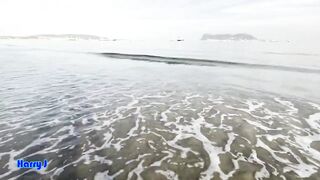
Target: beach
94, 116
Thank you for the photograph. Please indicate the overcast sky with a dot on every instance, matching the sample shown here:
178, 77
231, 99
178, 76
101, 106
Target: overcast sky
165, 19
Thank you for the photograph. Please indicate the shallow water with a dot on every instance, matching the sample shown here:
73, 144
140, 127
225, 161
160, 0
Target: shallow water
97, 117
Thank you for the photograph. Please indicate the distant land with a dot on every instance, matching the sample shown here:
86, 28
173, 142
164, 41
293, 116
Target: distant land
235, 37
59, 36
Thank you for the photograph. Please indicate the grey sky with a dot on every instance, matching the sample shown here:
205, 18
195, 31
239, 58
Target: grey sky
140, 19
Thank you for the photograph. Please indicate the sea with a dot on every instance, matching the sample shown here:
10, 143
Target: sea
160, 109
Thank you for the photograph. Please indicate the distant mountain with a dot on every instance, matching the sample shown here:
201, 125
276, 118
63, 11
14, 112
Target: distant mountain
58, 36
235, 37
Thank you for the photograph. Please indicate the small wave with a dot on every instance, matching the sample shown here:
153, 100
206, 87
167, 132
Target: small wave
292, 54
204, 62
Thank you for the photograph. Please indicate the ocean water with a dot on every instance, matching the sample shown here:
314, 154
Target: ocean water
96, 117
296, 54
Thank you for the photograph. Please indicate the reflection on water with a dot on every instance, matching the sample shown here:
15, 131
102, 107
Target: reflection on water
95, 117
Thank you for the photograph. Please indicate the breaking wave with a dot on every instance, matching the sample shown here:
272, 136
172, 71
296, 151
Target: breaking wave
204, 62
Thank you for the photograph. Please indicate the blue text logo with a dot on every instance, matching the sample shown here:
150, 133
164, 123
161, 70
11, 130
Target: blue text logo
32, 164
